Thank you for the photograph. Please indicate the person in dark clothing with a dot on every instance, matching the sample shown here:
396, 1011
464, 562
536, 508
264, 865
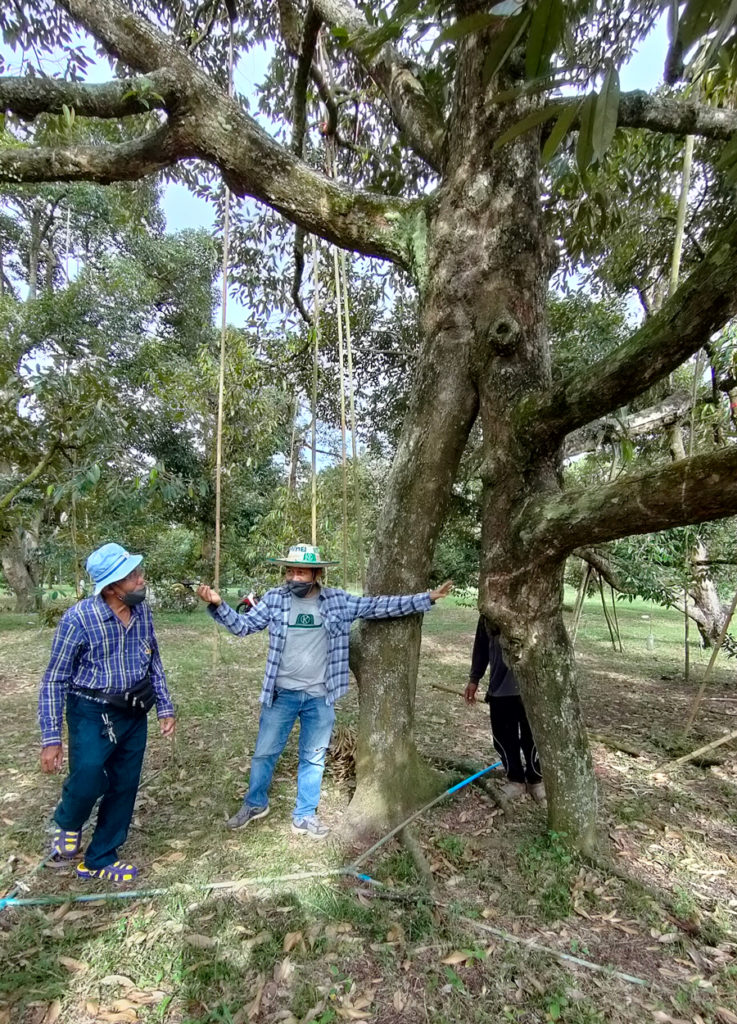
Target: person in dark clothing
510, 729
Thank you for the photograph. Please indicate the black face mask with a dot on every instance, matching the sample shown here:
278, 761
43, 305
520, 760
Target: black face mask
134, 597
298, 588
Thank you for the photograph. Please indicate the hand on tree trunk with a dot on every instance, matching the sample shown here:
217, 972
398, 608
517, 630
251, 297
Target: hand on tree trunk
442, 591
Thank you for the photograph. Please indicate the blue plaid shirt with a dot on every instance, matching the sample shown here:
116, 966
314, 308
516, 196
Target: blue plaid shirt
93, 649
338, 609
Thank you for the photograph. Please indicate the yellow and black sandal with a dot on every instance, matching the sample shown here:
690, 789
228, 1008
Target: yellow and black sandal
118, 871
64, 846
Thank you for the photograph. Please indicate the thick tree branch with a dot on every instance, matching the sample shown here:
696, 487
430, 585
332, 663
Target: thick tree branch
639, 424
28, 97
693, 490
8, 498
602, 565
214, 128
124, 161
675, 116
684, 323
132, 39
413, 112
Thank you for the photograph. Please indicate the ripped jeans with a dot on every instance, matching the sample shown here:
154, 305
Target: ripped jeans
316, 720
106, 748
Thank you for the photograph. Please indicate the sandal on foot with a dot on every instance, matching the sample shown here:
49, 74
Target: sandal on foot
64, 845
118, 871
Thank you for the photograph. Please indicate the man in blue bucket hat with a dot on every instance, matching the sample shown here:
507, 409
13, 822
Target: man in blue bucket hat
306, 672
105, 665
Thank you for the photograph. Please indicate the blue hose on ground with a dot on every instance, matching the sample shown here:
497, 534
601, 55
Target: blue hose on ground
10, 899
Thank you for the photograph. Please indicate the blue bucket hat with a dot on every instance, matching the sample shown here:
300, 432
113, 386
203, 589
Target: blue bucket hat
109, 564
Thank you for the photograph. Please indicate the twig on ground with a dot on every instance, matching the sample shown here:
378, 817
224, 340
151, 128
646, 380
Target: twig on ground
568, 957
701, 750
615, 744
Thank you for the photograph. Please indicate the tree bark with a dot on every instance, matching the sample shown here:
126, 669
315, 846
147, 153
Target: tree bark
17, 557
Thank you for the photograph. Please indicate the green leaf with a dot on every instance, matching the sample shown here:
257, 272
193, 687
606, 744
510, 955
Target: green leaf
500, 50
606, 114
559, 130
546, 29
724, 27
541, 84
585, 145
530, 121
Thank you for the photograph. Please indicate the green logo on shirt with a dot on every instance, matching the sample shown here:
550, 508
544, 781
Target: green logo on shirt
305, 619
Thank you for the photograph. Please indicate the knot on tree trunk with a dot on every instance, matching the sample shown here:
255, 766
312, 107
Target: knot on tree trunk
504, 333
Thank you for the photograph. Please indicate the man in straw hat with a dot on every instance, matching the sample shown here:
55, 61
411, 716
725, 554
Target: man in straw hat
105, 665
306, 672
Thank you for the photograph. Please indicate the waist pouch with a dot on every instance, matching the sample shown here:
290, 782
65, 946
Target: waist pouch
138, 701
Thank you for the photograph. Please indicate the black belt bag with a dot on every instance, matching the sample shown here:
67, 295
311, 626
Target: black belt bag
139, 700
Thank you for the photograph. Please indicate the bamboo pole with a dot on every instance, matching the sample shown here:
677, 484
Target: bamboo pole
223, 329
610, 627
701, 750
343, 428
717, 647
316, 329
357, 509
578, 608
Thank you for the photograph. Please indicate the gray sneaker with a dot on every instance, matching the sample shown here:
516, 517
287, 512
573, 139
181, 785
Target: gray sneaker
513, 790
246, 814
537, 792
310, 826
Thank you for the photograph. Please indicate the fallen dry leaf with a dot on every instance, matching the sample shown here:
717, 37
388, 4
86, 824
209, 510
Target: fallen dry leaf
73, 965
726, 1016
291, 939
283, 970
53, 1013
200, 941
457, 957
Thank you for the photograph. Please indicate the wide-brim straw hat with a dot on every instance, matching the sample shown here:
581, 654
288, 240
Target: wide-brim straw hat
302, 555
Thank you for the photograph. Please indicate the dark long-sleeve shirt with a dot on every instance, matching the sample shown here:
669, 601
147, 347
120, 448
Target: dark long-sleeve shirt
487, 653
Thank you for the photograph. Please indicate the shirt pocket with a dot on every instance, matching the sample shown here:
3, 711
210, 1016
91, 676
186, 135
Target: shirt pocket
145, 653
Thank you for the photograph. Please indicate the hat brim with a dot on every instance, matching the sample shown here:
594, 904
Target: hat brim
299, 565
120, 573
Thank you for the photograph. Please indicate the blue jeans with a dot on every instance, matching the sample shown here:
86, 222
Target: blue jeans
315, 729
103, 762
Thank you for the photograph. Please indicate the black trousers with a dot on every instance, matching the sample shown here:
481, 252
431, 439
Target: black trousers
513, 739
